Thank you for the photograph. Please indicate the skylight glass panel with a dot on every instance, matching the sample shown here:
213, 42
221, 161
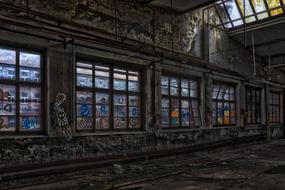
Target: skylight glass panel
223, 14
234, 12
274, 4
260, 9
246, 10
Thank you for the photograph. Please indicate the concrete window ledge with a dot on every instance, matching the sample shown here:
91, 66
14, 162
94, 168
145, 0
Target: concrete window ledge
111, 133
22, 137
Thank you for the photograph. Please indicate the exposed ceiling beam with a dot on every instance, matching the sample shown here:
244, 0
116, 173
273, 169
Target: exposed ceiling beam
273, 56
275, 41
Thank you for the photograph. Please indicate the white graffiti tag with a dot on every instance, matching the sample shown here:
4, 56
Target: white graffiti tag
61, 118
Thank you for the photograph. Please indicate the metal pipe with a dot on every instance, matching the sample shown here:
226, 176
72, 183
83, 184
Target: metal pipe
253, 54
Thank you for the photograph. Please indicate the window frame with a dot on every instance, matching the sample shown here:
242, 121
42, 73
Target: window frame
111, 92
223, 101
17, 83
257, 100
272, 106
180, 97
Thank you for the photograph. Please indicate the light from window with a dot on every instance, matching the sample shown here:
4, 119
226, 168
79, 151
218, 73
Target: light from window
27, 85
224, 106
253, 105
108, 98
274, 107
179, 104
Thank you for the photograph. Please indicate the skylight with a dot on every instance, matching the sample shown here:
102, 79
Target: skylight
234, 13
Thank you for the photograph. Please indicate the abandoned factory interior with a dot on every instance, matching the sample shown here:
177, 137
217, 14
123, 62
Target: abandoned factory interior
142, 94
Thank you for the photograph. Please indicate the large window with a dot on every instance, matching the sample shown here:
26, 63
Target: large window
20, 91
180, 102
224, 105
107, 97
253, 105
274, 107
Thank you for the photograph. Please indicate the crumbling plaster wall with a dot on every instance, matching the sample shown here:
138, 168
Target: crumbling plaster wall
128, 19
19, 151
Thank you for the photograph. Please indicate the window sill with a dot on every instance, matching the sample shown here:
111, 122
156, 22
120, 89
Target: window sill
104, 133
20, 136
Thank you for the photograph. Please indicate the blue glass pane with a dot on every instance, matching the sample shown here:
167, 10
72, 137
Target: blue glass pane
174, 91
234, 12
101, 82
30, 94
102, 110
134, 100
102, 98
84, 123
165, 113
134, 112
223, 15
120, 123
7, 92
165, 122
30, 60
7, 56
84, 80
7, 123
7, 72
84, 97
165, 103
7, 108
185, 117
102, 122
119, 84
30, 108
84, 110
32, 75
134, 86
175, 122
120, 99
134, 123
29, 123
185, 92
120, 111
185, 104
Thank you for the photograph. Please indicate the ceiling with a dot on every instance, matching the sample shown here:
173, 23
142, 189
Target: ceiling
181, 5
268, 41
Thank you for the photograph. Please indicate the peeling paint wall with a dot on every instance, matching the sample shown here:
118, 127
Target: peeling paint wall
27, 151
129, 19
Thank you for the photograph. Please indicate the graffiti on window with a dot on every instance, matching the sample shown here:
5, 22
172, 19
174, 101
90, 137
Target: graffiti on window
223, 105
179, 106
119, 106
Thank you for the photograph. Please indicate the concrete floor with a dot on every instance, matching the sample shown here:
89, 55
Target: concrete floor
256, 166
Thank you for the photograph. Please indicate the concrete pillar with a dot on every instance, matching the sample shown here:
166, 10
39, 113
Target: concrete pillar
60, 80
208, 100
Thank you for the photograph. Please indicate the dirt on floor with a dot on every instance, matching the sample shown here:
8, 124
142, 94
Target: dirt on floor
256, 166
